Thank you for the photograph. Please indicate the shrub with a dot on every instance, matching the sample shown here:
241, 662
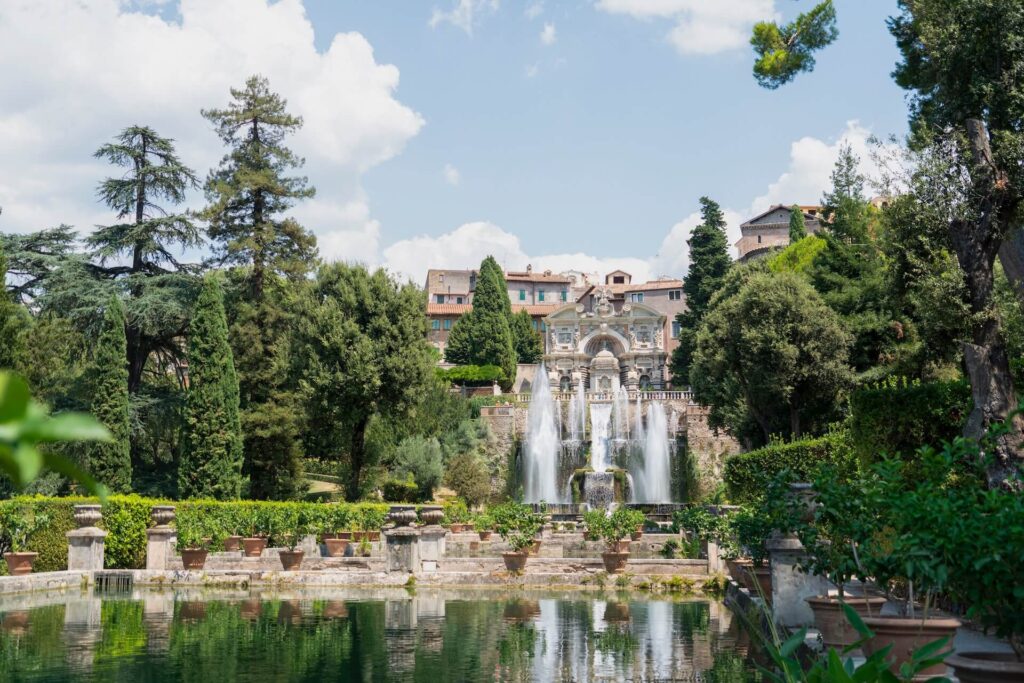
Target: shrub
400, 490
472, 375
455, 511
516, 524
748, 475
898, 417
467, 475
420, 457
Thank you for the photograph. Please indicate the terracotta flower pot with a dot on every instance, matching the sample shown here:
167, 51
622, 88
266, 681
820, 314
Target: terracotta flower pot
336, 547
614, 563
986, 667
19, 564
515, 562
616, 612
637, 535
232, 544
535, 547
327, 537
193, 558
763, 577
907, 635
485, 535
374, 536
457, 528
291, 560
830, 619
620, 547
521, 610
344, 535
254, 547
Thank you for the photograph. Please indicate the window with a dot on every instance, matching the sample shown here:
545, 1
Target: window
535, 325
522, 295
448, 324
675, 329
565, 295
637, 297
565, 338
759, 239
543, 326
619, 280
675, 294
458, 299
435, 324
540, 295
440, 298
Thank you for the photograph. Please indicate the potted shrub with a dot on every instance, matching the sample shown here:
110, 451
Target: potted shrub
484, 525
297, 524
337, 517
197, 531
517, 525
456, 514
592, 521
257, 524
752, 525
17, 524
621, 523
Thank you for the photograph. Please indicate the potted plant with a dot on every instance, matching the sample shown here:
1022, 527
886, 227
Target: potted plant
17, 524
621, 523
374, 517
197, 530
517, 525
592, 521
258, 526
752, 525
337, 517
297, 524
456, 514
484, 526
231, 522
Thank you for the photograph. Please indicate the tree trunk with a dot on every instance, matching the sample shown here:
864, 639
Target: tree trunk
357, 457
138, 351
976, 243
794, 422
1011, 256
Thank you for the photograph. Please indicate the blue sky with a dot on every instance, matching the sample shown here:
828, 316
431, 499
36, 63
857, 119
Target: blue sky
558, 133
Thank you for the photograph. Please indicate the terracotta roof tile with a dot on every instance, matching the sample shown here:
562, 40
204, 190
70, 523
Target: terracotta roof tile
448, 309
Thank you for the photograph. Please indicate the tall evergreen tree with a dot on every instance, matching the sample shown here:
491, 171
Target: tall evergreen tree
709, 262
110, 463
159, 287
484, 335
844, 204
248, 195
527, 341
211, 462
797, 227
14, 321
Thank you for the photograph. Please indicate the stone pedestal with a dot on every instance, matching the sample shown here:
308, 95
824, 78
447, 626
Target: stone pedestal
432, 547
790, 585
160, 539
402, 549
86, 543
716, 564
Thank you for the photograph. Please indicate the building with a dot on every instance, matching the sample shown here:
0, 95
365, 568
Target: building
770, 230
640, 317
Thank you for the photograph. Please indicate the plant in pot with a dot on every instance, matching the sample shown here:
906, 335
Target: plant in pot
617, 526
752, 525
232, 523
298, 523
484, 525
337, 517
517, 525
456, 514
17, 524
257, 524
197, 531
592, 521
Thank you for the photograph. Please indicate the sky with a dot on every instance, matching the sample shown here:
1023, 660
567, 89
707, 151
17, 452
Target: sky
572, 134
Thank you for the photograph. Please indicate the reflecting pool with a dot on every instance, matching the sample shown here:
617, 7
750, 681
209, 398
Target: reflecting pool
369, 635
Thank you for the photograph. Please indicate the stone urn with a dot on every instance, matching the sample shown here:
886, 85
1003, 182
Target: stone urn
88, 515
162, 515
402, 515
431, 515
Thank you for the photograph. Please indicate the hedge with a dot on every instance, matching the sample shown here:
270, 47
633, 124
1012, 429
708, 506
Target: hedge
482, 375
126, 518
747, 475
898, 416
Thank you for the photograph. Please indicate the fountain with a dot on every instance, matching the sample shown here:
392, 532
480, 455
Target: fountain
653, 479
543, 445
600, 419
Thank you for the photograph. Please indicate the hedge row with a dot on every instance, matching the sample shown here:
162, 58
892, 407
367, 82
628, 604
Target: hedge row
473, 375
126, 519
898, 416
747, 475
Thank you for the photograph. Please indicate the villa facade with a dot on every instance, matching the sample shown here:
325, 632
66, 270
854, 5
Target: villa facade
770, 230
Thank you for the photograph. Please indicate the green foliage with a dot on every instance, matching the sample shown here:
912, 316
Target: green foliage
472, 375
701, 523
18, 522
484, 335
456, 511
14, 322
516, 524
528, 342
401, 490
466, 474
898, 416
747, 475
797, 227
420, 458
126, 519
484, 522
621, 523
709, 262
110, 462
211, 462
784, 51
798, 257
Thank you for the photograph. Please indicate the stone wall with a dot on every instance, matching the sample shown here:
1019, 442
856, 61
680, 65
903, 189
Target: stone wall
707, 448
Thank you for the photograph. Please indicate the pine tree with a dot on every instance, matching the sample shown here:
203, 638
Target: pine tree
211, 462
709, 262
110, 463
797, 227
528, 342
845, 205
248, 195
159, 287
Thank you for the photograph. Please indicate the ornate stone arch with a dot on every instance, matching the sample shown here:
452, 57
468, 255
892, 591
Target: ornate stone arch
619, 342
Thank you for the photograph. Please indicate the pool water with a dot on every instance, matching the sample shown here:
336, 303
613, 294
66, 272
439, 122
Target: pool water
369, 635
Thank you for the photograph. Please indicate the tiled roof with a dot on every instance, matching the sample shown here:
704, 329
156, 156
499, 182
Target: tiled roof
460, 309
536, 309
536, 277
653, 285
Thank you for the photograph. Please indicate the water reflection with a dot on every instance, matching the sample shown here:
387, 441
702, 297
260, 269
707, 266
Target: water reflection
381, 635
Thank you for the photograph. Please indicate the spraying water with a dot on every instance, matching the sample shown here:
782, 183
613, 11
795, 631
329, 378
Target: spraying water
620, 411
543, 444
653, 481
600, 434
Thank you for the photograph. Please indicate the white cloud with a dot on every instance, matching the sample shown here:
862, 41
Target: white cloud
465, 14
534, 10
452, 175
700, 26
532, 69
76, 73
548, 35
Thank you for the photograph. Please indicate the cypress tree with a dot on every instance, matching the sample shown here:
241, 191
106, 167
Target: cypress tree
14, 320
211, 463
528, 342
797, 227
484, 335
709, 262
110, 463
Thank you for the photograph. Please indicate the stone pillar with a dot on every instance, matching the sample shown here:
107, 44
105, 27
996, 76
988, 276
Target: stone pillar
715, 562
432, 538
160, 539
85, 544
790, 584
83, 630
403, 541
